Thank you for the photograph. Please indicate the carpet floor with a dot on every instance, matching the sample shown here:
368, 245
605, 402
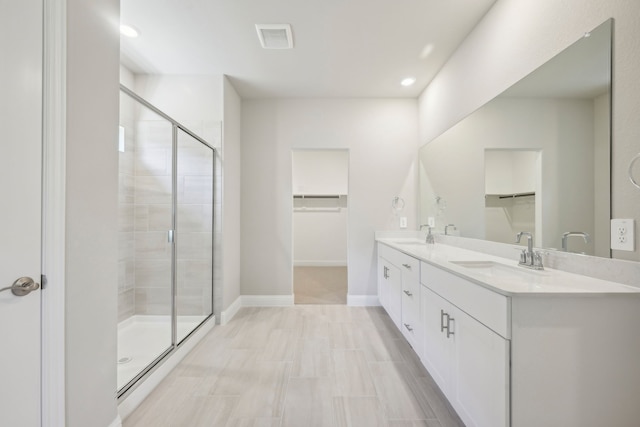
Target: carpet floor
320, 285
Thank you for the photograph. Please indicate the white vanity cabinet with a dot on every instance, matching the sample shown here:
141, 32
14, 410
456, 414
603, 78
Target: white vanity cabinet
399, 292
468, 360
390, 289
556, 350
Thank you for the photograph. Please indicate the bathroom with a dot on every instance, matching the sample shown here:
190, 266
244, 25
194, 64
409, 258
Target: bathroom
510, 41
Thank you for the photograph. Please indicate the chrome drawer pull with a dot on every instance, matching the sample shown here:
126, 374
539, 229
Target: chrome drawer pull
408, 326
407, 266
409, 294
449, 320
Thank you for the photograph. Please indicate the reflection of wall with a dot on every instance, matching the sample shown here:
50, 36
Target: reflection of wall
601, 176
504, 218
510, 173
561, 129
498, 53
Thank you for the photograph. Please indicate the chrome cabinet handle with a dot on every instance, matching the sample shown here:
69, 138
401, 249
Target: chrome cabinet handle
449, 320
21, 287
408, 326
409, 294
386, 273
442, 314
408, 266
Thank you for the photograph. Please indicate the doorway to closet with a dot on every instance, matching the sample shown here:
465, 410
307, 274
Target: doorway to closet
320, 213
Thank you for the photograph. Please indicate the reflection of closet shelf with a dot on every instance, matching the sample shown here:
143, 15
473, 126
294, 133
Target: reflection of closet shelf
510, 196
303, 209
318, 196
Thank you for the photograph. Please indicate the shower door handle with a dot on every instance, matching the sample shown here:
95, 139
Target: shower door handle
21, 287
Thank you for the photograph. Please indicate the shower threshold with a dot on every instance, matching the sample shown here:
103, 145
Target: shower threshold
141, 339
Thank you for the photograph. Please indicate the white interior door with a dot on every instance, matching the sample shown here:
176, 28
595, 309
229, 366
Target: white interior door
20, 209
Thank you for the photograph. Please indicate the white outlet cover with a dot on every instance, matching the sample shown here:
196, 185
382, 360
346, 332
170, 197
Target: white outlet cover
403, 222
623, 234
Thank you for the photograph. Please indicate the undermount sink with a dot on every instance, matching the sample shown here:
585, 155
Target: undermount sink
496, 269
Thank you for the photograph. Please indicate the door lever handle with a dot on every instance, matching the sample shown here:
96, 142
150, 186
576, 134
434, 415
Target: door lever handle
23, 286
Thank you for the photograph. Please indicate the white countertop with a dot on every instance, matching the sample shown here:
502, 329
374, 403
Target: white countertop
503, 275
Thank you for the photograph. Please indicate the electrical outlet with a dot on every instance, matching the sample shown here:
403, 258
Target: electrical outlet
431, 221
403, 222
623, 234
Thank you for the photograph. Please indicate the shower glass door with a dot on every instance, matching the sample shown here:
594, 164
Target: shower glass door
145, 209
165, 207
194, 233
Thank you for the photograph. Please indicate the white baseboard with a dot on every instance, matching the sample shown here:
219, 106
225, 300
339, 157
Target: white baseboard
330, 263
231, 311
363, 300
117, 422
267, 300
135, 398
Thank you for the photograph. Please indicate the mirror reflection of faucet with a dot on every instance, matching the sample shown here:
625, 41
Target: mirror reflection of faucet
446, 229
529, 258
567, 234
430, 240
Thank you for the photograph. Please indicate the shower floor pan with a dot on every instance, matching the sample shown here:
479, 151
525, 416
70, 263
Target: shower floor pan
141, 339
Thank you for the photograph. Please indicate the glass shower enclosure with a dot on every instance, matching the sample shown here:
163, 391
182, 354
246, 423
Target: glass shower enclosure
165, 226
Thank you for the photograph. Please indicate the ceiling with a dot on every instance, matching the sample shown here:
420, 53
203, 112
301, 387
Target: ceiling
342, 48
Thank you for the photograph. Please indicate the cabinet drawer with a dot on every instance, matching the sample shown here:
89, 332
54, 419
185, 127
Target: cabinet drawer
488, 307
409, 265
411, 326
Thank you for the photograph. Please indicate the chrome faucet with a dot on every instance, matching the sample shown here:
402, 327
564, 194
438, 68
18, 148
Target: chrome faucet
565, 237
429, 240
446, 227
529, 258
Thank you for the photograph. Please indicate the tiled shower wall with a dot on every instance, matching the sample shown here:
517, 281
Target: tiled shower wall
146, 209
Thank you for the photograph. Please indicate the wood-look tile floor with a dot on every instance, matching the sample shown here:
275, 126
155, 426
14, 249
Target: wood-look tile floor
301, 366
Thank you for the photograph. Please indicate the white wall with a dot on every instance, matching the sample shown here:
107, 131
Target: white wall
318, 172
381, 135
515, 38
93, 56
231, 193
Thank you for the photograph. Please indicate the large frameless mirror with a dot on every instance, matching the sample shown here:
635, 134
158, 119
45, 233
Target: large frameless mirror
536, 158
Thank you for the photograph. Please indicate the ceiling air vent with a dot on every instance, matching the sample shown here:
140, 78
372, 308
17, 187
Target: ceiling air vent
275, 36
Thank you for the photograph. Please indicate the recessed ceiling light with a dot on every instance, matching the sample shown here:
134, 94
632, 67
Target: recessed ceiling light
426, 51
275, 36
408, 81
128, 31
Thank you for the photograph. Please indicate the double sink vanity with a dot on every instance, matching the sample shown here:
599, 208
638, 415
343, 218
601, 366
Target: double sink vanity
511, 346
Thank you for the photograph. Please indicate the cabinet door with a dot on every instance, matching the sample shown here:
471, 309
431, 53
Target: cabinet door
390, 290
436, 346
480, 386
